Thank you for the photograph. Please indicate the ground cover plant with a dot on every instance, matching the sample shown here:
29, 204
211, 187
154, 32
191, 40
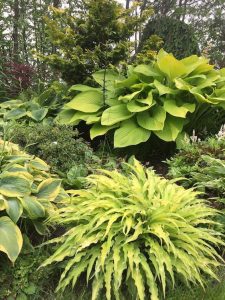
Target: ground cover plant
28, 193
134, 231
201, 163
155, 98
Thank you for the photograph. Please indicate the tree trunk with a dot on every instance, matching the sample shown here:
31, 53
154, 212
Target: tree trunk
15, 35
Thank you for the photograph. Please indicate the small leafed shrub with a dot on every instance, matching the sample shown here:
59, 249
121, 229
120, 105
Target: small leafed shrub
60, 146
199, 158
134, 231
158, 98
28, 192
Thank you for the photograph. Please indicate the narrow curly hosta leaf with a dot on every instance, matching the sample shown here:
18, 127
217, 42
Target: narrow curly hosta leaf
115, 114
173, 109
172, 127
88, 102
11, 240
152, 120
130, 134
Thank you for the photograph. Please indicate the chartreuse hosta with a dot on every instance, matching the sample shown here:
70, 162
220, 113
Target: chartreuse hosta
135, 232
156, 98
27, 191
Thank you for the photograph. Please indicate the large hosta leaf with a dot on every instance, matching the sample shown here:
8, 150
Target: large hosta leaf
129, 97
33, 207
153, 119
38, 114
130, 134
16, 113
115, 114
98, 129
65, 116
82, 88
137, 106
89, 101
14, 209
11, 240
147, 70
107, 78
172, 127
170, 66
173, 109
163, 89
14, 185
49, 189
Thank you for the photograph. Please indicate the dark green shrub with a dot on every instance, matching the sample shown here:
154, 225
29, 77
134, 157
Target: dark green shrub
58, 145
178, 36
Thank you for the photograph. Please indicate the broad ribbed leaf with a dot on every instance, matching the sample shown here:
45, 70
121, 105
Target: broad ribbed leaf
38, 114
170, 66
98, 129
88, 102
129, 97
115, 114
33, 207
153, 119
16, 113
14, 186
14, 209
49, 189
173, 109
147, 70
10, 238
65, 116
163, 89
130, 134
172, 127
106, 78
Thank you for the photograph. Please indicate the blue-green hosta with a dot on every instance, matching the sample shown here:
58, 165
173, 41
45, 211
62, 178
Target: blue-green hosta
156, 98
27, 191
135, 231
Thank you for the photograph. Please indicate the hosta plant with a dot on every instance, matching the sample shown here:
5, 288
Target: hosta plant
35, 107
157, 98
27, 192
134, 231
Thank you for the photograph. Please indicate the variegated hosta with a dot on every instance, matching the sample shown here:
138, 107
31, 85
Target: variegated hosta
28, 191
135, 231
156, 98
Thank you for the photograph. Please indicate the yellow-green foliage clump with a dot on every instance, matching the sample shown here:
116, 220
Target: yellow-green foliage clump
135, 231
